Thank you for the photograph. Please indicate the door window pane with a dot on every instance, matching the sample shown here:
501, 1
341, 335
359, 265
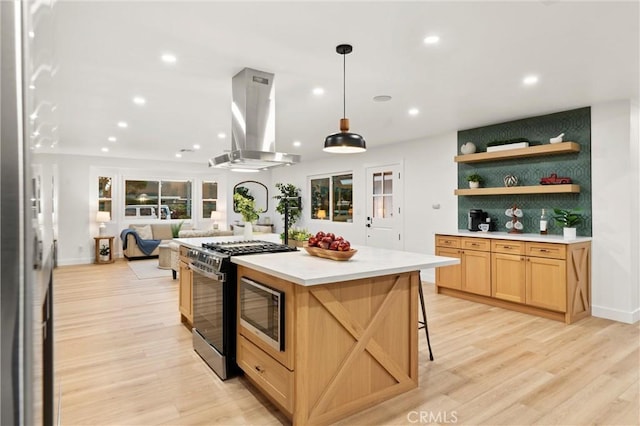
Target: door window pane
382, 195
342, 198
320, 199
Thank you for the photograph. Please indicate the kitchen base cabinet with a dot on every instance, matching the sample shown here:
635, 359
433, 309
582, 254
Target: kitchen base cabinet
449, 276
476, 272
185, 295
552, 280
473, 274
350, 344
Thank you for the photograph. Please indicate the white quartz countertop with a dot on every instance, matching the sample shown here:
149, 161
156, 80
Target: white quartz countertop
516, 237
303, 269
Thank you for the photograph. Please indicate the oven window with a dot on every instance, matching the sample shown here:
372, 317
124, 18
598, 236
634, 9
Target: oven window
208, 310
261, 307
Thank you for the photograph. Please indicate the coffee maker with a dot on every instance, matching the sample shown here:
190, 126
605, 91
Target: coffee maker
476, 217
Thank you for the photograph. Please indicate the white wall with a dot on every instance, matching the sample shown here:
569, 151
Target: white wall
615, 182
78, 194
429, 178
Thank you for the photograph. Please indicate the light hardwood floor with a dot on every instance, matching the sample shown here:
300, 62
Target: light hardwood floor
124, 358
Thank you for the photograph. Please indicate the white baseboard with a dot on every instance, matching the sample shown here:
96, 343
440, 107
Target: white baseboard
76, 261
615, 314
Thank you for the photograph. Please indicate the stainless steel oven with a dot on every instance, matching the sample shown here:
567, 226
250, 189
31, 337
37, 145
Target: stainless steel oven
214, 322
262, 311
215, 297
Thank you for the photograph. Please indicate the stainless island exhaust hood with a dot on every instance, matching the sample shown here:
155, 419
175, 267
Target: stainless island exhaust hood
253, 125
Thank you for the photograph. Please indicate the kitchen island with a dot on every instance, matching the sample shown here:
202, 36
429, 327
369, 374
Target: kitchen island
350, 330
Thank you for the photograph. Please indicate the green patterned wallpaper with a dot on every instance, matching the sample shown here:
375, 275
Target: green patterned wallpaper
576, 126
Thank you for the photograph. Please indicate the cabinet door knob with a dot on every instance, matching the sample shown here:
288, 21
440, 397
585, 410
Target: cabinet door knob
259, 369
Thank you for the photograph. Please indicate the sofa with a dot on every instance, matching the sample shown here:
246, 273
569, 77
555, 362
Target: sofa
152, 231
162, 232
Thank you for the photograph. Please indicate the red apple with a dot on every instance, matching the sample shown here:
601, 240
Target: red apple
320, 235
313, 241
334, 245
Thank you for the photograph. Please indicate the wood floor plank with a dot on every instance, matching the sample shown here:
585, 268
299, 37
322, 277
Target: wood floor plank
124, 358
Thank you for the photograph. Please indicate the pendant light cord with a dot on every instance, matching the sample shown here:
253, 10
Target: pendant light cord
344, 85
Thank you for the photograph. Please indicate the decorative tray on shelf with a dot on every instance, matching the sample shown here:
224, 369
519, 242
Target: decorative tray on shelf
330, 254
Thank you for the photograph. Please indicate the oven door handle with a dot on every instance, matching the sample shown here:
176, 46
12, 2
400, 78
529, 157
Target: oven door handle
208, 274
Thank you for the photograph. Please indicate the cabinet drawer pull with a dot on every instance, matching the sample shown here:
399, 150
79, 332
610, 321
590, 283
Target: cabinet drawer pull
506, 247
259, 369
544, 251
475, 244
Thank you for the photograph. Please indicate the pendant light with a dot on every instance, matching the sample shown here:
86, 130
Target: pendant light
344, 142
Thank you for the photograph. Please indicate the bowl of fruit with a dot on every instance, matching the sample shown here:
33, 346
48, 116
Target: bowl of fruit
328, 246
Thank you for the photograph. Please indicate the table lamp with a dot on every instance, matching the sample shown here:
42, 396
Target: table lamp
322, 214
103, 217
215, 215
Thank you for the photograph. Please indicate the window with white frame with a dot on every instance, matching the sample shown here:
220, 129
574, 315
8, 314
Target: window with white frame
209, 199
332, 197
158, 199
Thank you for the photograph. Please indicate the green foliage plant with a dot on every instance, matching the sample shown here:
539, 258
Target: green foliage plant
568, 218
475, 178
175, 229
104, 250
246, 207
288, 190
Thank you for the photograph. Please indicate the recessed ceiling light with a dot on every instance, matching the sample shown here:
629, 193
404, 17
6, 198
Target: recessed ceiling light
414, 111
222, 135
382, 98
139, 100
169, 58
112, 139
123, 124
530, 79
318, 91
105, 149
178, 155
432, 39
196, 146
297, 143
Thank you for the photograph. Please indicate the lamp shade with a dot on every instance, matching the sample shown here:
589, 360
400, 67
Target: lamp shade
103, 217
322, 214
344, 143
215, 215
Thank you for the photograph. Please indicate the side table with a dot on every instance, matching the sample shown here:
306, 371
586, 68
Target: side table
164, 256
110, 258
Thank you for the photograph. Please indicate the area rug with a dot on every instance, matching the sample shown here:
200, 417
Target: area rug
148, 268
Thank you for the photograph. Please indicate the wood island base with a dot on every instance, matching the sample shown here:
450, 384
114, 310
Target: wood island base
349, 345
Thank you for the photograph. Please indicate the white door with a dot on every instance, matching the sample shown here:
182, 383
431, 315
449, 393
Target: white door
384, 201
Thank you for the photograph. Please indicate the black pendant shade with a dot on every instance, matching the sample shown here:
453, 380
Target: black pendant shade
344, 142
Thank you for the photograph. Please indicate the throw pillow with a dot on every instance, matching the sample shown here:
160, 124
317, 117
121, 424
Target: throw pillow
143, 231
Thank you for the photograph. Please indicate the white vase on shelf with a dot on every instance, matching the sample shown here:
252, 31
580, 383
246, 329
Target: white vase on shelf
248, 230
474, 185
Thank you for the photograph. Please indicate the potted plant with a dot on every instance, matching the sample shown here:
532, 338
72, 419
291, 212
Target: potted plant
104, 253
297, 237
175, 229
474, 180
569, 219
289, 194
247, 208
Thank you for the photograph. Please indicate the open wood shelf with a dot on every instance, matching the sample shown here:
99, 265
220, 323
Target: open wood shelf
532, 151
536, 189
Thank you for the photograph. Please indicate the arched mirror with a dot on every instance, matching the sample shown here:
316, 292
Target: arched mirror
254, 190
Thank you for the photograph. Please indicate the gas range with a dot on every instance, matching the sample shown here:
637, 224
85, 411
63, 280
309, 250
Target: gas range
214, 299
214, 257
239, 248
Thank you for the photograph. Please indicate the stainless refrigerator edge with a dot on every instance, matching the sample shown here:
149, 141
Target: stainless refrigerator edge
26, 265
